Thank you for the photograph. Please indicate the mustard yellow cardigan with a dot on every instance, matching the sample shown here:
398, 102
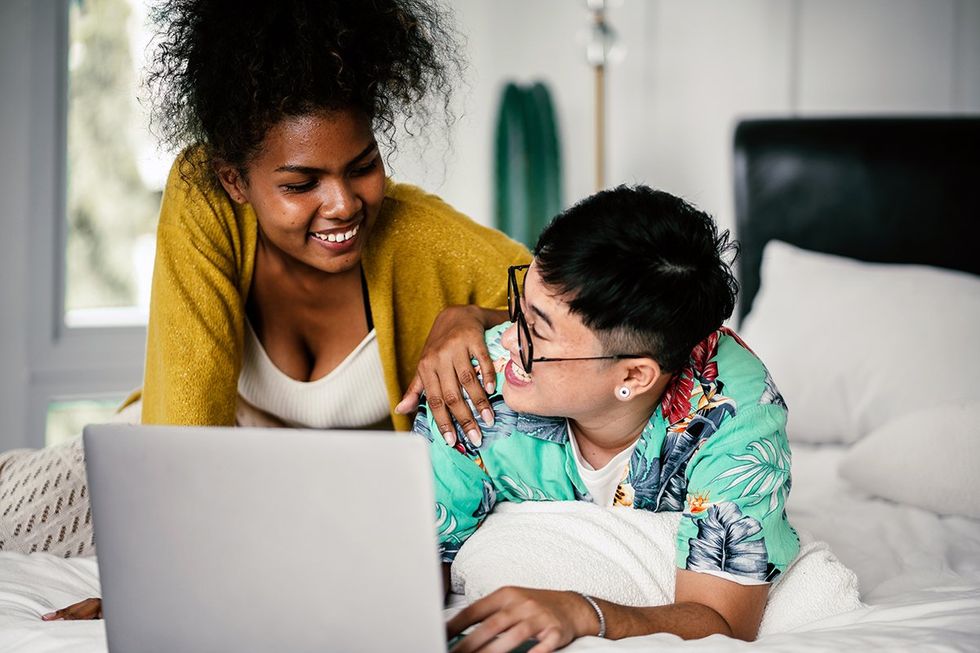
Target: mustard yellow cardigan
421, 257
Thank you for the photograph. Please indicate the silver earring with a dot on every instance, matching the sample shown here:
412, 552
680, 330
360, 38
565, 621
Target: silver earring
623, 392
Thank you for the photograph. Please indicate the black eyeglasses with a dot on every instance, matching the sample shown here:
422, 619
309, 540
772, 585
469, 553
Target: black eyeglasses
524, 346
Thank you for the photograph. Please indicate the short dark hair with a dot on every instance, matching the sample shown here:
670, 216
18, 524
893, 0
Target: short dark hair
642, 268
225, 71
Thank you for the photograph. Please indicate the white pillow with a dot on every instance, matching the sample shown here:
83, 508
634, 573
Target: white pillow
627, 556
927, 459
852, 345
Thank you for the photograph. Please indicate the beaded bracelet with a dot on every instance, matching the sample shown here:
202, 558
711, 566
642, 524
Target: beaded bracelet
598, 613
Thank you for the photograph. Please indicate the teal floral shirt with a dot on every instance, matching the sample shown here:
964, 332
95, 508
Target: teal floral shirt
715, 450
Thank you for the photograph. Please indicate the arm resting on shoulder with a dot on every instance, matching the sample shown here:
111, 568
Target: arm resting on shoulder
445, 371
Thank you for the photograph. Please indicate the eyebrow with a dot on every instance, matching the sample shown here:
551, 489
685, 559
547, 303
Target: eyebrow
537, 311
312, 170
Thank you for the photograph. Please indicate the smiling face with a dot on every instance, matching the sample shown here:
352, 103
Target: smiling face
317, 186
574, 389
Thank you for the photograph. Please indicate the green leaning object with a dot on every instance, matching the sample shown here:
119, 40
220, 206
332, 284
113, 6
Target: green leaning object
528, 162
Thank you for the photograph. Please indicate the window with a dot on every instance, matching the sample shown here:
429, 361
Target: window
96, 179
67, 417
115, 172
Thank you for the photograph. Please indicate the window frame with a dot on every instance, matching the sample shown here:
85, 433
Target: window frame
64, 362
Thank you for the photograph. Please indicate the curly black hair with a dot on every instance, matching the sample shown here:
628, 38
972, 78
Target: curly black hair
225, 71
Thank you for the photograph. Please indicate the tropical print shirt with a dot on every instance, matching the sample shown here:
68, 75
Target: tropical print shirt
715, 449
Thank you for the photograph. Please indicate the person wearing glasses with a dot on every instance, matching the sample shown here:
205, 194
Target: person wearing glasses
617, 384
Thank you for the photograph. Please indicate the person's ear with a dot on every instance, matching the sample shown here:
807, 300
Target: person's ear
640, 376
233, 181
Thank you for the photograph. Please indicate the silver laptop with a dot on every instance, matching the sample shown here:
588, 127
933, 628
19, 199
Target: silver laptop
213, 539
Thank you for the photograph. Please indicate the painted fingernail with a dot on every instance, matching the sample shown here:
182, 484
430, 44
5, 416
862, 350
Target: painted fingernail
490, 386
449, 438
487, 416
475, 437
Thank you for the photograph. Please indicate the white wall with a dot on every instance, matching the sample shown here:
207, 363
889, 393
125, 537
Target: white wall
691, 69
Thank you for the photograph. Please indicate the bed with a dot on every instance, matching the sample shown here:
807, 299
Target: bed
861, 291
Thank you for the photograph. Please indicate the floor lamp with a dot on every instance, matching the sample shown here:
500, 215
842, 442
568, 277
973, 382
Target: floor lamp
601, 41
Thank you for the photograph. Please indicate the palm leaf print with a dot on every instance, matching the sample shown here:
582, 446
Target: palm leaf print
487, 501
552, 429
522, 490
684, 443
722, 543
449, 543
771, 394
421, 423
505, 421
644, 479
765, 471
445, 522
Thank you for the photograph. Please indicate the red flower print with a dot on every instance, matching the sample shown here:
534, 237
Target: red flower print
676, 402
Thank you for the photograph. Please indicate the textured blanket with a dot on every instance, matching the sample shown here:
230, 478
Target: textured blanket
627, 556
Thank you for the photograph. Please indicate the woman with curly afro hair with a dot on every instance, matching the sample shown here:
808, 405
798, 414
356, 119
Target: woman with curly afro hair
294, 283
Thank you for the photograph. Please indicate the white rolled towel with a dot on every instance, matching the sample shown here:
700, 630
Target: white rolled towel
627, 556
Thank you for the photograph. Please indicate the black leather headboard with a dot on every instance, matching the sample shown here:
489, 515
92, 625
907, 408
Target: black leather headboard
889, 190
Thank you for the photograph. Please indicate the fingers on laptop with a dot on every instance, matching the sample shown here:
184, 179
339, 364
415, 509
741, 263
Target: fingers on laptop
514, 618
87, 609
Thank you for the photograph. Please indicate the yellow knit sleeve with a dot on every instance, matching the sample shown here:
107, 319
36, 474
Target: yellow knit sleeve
496, 253
196, 327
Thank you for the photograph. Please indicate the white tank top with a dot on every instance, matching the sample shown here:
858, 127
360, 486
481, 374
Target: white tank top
352, 395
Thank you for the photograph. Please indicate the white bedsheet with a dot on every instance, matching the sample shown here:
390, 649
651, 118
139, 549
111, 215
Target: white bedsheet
919, 573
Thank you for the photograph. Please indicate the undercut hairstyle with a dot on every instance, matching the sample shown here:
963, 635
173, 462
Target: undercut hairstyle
223, 72
643, 269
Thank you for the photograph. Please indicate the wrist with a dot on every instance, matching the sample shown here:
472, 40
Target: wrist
491, 317
593, 620
486, 317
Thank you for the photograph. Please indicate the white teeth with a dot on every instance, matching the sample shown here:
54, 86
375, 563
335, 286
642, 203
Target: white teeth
335, 237
520, 373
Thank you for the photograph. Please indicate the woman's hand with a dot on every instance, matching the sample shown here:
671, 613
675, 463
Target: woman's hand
512, 615
446, 369
87, 609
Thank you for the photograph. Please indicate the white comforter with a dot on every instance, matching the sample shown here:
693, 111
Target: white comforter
918, 573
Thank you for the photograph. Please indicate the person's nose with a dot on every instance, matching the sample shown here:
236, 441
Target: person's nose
338, 201
509, 341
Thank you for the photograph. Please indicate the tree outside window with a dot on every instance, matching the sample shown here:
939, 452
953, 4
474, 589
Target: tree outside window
115, 175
